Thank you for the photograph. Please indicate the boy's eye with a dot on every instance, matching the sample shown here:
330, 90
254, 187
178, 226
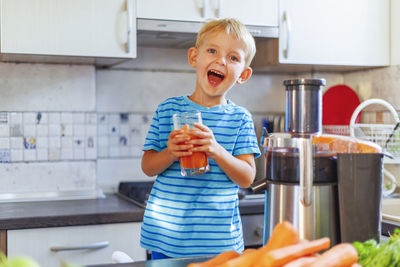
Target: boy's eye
211, 50
235, 58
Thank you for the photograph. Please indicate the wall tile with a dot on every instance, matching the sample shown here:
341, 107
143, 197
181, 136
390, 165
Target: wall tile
54, 118
42, 154
15, 118
29, 118
4, 143
66, 118
42, 130
17, 155
4, 130
29, 130
16, 143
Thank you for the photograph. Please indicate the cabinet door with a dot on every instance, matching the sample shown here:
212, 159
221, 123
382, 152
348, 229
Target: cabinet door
38, 243
94, 28
253, 12
334, 32
185, 10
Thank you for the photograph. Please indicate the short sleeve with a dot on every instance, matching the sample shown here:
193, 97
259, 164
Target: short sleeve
152, 141
247, 140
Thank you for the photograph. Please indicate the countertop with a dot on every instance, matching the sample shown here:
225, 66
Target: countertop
111, 209
183, 262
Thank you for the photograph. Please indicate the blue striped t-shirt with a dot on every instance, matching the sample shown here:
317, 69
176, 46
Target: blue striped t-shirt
197, 215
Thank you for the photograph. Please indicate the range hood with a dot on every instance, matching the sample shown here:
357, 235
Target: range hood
182, 34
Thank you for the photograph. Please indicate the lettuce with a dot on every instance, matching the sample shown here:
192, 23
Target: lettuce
383, 254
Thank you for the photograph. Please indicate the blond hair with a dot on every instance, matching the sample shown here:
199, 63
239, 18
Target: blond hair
233, 27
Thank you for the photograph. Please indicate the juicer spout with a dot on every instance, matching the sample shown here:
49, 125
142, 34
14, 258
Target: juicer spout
306, 170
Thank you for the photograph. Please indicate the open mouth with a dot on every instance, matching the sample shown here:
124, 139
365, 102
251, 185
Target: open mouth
215, 77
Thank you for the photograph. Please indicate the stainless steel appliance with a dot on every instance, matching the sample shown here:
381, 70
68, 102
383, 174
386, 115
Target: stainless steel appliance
304, 182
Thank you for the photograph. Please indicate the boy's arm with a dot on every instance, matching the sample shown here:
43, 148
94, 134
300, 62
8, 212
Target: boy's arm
154, 162
240, 169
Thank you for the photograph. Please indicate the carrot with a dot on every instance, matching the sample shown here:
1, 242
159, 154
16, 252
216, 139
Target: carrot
284, 234
301, 262
281, 256
343, 254
248, 250
219, 259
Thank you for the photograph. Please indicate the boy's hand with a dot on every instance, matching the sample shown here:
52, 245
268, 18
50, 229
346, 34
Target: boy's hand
206, 142
178, 145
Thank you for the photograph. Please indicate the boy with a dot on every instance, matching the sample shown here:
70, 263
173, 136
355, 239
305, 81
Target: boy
199, 215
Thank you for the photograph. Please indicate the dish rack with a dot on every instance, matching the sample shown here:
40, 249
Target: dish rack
385, 135
337, 129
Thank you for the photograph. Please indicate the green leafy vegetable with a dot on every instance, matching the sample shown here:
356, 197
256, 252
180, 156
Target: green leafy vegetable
383, 254
21, 261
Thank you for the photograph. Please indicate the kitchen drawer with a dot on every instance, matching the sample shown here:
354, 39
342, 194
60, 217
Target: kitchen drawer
38, 243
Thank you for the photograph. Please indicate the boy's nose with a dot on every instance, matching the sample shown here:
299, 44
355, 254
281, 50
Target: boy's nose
221, 60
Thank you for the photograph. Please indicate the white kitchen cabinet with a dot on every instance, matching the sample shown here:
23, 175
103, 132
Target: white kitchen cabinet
42, 243
252, 12
80, 28
334, 32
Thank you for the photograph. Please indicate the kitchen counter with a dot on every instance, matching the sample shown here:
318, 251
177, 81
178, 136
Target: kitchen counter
388, 227
111, 209
183, 262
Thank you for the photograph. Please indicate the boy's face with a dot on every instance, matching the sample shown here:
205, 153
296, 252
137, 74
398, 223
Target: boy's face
219, 63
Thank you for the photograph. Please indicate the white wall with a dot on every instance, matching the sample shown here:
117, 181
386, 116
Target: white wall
395, 31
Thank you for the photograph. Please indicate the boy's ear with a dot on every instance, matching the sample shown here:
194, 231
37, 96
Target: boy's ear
192, 56
246, 74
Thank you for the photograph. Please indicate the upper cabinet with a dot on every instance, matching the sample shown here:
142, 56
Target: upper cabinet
253, 12
334, 32
59, 30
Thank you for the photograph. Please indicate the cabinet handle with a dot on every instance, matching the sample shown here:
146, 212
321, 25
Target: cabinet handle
285, 19
129, 18
98, 245
205, 6
219, 10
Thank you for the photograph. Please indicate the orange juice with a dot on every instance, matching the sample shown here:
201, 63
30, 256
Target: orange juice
197, 163
194, 161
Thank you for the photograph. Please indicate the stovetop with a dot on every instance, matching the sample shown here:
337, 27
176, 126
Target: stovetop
135, 192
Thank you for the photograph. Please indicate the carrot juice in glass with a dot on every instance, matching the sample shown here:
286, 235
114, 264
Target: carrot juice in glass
197, 163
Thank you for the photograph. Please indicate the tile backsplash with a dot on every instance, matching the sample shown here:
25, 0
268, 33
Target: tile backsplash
121, 135
70, 136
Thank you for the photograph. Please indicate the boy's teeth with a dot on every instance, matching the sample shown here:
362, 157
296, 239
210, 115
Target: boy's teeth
215, 77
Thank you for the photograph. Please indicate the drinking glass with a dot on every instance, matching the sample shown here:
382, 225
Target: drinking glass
197, 163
